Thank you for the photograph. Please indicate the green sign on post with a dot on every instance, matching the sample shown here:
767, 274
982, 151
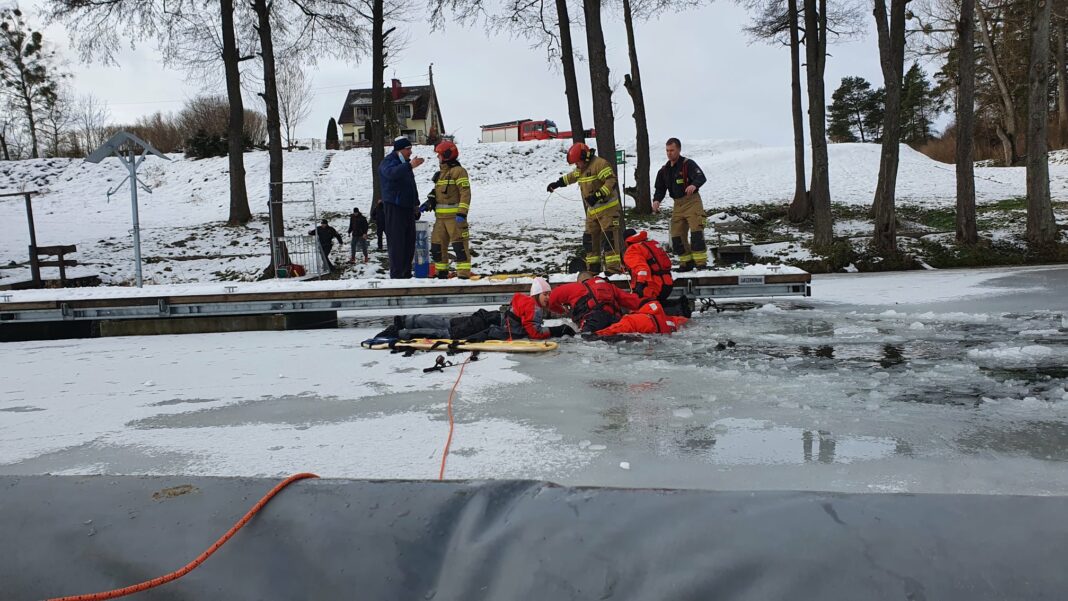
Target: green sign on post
620, 158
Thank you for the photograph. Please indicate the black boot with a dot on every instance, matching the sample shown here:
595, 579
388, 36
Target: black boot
687, 266
390, 333
687, 306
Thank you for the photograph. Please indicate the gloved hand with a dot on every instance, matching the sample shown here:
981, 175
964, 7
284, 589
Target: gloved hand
590, 200
461, 219
561, 330
417, 213
553, 186
640, 289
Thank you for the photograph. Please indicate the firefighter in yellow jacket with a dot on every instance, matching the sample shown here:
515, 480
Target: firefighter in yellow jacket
597, 184
450, 200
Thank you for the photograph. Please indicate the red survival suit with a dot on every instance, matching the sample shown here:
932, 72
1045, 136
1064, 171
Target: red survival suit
592, 304
649, 319
649, 267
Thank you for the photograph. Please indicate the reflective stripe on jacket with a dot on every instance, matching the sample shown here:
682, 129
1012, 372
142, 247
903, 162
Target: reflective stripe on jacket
452, 191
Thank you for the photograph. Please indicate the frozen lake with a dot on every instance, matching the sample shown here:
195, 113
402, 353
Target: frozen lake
936, 381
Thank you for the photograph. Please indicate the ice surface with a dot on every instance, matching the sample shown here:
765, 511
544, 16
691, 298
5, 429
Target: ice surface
823, 393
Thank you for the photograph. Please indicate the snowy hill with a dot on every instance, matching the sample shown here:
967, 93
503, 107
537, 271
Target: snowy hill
515, 224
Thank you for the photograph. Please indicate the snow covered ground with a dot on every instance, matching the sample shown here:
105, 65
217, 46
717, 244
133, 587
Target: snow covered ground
516, 226
948, 381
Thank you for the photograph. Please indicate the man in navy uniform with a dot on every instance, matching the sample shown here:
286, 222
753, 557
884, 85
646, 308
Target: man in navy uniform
400, 199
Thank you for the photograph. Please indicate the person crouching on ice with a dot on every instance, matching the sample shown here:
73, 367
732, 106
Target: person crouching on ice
592, 302
522, 318
649, 319
650, 273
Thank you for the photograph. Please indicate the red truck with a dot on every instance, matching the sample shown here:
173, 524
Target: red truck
523, 130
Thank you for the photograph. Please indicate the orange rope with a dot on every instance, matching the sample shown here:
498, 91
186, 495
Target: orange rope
448, 442
189, 567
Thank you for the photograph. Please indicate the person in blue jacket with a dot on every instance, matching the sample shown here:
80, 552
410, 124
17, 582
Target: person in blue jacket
400, 199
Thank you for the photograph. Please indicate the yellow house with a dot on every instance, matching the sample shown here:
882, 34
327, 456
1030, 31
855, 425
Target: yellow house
416, 107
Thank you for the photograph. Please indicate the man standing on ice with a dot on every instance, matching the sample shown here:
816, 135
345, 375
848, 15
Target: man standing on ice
400, 199
681, 177
597, 185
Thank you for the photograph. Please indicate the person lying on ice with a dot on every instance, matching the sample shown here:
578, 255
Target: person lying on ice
523, 318
650, 273
592, 302
649, 319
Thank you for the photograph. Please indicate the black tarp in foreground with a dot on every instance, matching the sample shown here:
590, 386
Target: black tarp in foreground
501, 540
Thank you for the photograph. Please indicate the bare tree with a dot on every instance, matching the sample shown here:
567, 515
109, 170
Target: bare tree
55, 121
28, 71
892, 60
7, 127
533, 20
91, 116
567, 64
1041, 226
189, 35
308, 29
1006, 129
1059, 20
816, 64
967, 230
643, 203
294, 98
603, 114
779, 22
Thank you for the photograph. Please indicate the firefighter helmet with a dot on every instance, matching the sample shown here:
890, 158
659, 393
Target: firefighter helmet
579, 152
447, 150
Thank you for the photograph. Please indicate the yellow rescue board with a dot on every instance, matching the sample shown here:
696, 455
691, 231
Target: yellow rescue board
435, 344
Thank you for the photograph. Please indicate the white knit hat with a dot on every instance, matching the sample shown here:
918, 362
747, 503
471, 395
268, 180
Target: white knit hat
540, 285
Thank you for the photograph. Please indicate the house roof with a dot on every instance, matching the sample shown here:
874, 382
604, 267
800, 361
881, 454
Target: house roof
418, 96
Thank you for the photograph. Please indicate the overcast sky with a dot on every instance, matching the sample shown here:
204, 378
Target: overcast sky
702, 78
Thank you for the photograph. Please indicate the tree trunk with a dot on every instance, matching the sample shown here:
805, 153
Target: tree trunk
274, 128
378, 68
3, 145
27, 109
892, 61
1007, 128
1062, 83
816, 62
643, 202
801, 207
567, 60
603, 119
239, 210
967, 232
1041, 227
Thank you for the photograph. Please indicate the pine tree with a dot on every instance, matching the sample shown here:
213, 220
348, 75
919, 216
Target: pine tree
919, 106
331, 135
874, 111
850, 104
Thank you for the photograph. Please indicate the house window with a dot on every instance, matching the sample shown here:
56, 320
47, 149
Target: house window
404, 111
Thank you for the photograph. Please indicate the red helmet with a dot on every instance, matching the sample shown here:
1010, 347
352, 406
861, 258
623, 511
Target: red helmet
447, 150
579, 152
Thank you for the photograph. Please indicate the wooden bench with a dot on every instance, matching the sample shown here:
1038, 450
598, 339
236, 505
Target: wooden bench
36, 252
